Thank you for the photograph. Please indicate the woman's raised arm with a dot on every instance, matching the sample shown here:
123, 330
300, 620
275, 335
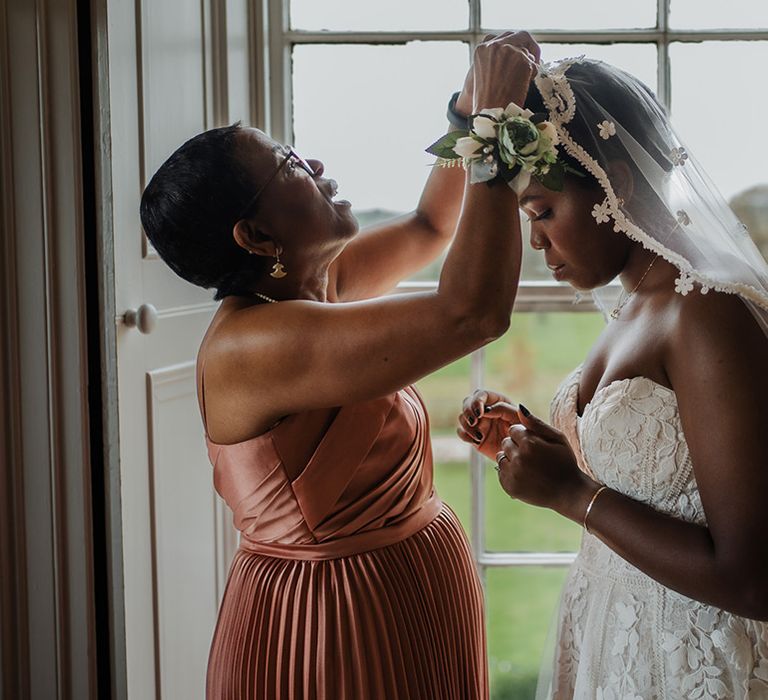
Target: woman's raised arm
276, 359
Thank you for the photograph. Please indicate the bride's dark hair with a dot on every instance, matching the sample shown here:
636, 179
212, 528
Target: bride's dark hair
626, 99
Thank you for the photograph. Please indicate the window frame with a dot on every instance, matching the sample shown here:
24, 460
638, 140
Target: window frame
273, 112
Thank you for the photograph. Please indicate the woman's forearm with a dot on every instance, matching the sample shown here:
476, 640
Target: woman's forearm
677, 554
440, 202
481, 272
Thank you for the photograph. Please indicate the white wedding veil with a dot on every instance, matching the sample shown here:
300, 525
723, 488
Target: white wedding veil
604, 115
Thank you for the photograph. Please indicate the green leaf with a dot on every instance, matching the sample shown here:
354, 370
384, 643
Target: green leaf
443, 147
553, 180
573, 171
508, 174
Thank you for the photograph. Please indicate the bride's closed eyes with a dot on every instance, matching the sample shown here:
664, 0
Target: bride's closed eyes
544, 215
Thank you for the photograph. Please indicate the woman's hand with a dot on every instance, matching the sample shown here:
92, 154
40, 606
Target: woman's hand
502, 69
537, 466
485, 420
465, 102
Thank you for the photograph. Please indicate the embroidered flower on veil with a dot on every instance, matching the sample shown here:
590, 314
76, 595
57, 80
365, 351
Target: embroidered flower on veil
607, 129
684, 284
602, 212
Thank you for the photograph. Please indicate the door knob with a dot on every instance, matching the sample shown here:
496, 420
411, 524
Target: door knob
144, 318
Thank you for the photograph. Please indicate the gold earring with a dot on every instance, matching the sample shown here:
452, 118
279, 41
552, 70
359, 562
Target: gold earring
278, 271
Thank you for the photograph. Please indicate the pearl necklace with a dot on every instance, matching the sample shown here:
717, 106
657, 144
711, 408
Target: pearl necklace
265, 298
617, 309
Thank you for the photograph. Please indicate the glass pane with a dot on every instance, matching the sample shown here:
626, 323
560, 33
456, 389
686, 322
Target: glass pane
528, 364
699, 119
377, 16
443, 392
566, 14
521, 604
743, 14
368, 112
638, 59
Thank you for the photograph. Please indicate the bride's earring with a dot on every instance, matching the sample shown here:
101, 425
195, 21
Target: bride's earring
278, 271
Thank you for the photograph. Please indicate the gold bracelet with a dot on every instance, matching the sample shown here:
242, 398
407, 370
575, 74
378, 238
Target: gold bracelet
589, 507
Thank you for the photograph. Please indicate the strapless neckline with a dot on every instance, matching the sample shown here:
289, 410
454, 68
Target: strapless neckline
602, 391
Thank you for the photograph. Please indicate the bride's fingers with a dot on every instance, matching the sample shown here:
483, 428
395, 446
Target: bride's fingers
474, 405
503, 410
467, 437
465, 425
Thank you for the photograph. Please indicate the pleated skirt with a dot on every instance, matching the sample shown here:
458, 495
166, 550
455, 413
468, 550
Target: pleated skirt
403, 622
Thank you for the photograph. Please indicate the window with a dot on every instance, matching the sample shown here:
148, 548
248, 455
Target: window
345, 75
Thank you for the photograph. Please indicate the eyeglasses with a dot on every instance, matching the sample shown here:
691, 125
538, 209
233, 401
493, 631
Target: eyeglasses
290, 155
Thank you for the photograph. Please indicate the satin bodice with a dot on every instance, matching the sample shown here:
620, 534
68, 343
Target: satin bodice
367, 483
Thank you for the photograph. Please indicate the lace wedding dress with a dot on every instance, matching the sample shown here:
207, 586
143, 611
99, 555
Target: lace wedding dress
621, 635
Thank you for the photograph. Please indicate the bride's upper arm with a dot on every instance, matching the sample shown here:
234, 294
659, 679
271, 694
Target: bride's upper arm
718, 365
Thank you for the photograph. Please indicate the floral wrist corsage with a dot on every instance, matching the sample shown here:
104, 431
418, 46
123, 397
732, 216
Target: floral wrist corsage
509, 145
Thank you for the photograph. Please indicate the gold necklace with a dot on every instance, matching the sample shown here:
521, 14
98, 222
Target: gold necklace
266, 298
617, 309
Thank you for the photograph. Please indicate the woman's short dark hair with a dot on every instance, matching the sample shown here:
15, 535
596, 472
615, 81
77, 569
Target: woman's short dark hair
190, 206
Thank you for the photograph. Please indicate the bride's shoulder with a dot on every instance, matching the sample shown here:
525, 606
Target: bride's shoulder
714, 322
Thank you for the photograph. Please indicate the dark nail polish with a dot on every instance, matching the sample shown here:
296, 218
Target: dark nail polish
524, 410
478, 435
477, 412
471, 420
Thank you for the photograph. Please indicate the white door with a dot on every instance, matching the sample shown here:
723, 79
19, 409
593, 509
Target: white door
165, 85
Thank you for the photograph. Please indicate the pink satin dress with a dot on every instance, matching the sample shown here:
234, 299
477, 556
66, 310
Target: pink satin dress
353, 579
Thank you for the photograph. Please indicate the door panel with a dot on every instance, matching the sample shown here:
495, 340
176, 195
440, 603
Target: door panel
177, 536
183, 526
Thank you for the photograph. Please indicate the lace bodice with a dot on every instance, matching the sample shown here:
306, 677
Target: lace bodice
630, 438
622, 635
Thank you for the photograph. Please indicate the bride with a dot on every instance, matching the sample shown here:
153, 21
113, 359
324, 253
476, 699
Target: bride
658, 447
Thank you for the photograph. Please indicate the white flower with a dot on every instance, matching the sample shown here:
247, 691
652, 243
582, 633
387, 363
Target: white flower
602, 212
684, 284
607, 129
512, 110
520, 182
495, 112
549, 132
484, 127
467, 146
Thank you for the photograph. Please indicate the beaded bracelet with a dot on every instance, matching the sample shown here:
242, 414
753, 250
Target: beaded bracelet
589, 507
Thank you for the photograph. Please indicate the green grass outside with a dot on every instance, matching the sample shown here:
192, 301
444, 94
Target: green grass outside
528, 364
520, 602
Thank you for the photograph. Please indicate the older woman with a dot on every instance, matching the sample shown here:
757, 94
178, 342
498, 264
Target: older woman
352, 579
658, 447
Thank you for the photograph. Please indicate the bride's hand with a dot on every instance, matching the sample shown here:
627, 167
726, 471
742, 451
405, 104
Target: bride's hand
485, 420
538, 466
